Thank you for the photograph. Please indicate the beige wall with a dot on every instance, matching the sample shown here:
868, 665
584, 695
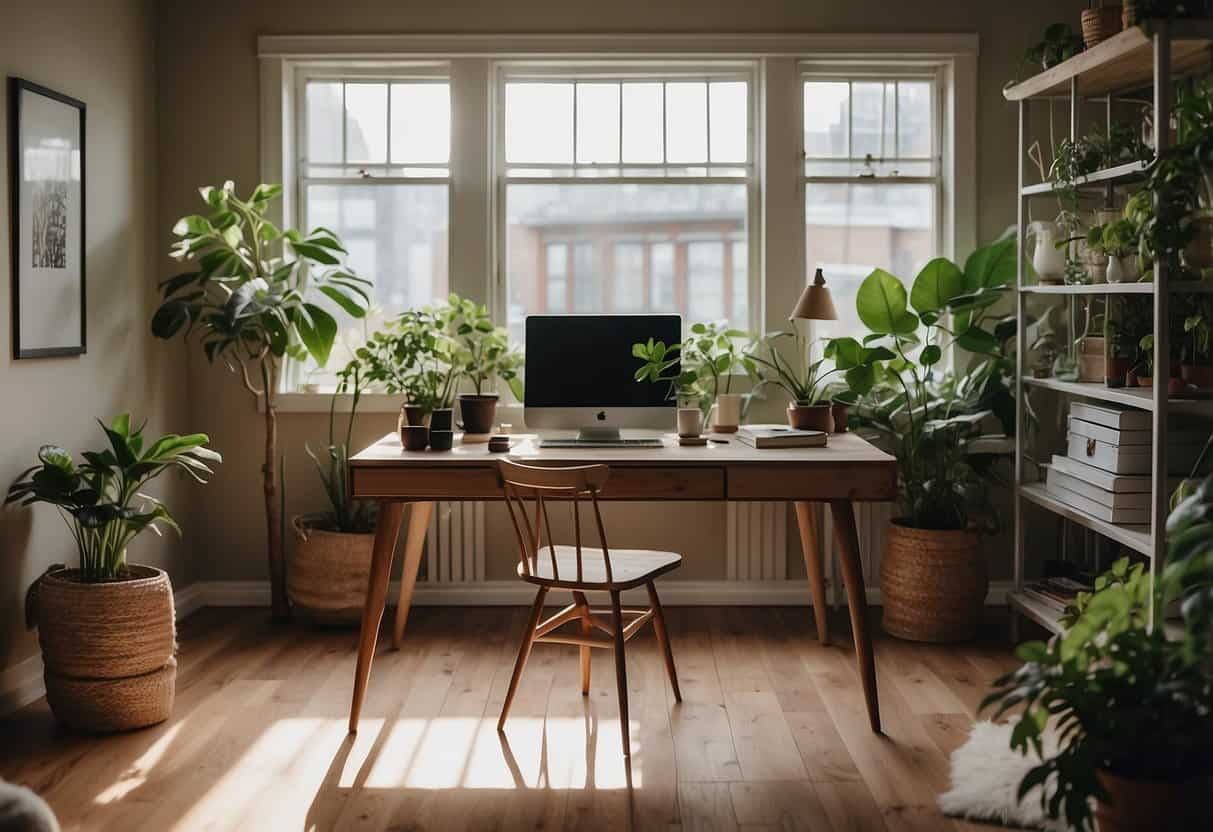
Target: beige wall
207, 70
101, 53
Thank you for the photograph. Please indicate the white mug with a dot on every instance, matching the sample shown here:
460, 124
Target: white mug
727, 413
690, 422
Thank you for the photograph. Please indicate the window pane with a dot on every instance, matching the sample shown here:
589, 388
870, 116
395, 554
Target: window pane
628, 292
366, 123
598, 123
852, 229
324, 121
642, 123
421, 123
662, 294
914, 118
867, 120
686, 122
741, 284
594, 218
729, 121
538, 123
826, 108
705, 281
557, 293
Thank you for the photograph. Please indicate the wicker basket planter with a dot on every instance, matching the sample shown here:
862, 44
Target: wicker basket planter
108, 648
933, 584
329, 572
1099, 24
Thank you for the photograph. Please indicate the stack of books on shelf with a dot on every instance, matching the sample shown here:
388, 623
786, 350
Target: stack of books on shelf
1105, 471
1055, 593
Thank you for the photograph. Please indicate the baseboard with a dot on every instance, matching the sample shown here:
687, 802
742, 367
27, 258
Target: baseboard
189, 599
515, 593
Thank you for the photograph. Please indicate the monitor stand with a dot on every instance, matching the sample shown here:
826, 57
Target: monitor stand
600, 438
599, 435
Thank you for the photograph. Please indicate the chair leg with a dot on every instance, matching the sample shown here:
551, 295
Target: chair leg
621, 672
524, 652
587, 629
663, 639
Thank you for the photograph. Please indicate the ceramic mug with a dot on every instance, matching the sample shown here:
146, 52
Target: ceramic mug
690, 422
727, 413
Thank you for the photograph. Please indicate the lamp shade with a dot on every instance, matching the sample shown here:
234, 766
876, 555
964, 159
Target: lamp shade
815, 303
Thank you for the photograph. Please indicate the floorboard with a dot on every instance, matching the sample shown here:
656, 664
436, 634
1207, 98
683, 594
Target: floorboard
771, 733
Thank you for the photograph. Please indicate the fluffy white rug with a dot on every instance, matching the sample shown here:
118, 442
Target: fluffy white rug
986, 774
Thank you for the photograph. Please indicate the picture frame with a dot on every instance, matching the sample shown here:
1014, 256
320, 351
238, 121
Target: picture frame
46, 184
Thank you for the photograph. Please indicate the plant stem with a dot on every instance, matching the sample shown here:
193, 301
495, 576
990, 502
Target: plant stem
280, 608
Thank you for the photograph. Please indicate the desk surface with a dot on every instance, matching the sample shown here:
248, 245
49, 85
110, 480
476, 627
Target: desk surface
847, 468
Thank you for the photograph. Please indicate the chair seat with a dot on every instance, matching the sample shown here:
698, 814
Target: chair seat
629, 567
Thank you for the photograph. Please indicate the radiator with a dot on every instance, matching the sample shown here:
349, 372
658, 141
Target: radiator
871, 520
455, 543
756, 541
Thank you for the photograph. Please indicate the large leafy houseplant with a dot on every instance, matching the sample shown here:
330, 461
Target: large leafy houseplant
253, 295
697, 369
102, 500
908, 410
1126, 700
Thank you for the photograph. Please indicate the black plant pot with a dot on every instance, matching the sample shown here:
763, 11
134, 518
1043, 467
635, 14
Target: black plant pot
478, 413
442, 418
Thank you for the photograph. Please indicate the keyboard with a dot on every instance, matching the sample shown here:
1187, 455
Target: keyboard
648, 442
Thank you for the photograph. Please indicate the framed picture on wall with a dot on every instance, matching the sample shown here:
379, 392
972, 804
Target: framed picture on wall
46, 180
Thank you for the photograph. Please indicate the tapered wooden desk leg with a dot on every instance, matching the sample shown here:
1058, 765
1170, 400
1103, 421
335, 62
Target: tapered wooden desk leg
852, 574
414, 542
813, 566
386, 531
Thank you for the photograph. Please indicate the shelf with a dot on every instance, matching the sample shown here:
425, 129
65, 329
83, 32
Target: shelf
1136, 538
1091, 289
1041, 613
1142, 397
1121, 63
1121, 174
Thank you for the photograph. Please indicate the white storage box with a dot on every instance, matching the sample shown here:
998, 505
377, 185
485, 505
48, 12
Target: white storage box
1113, 436
1101, 479
1109, 499
1119, 459
1125, 516
1112, 416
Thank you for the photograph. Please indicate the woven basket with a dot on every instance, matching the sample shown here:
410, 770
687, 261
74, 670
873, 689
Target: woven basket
329, 574
107, 647
1130, 14
933, 584
1100, 24
106, 705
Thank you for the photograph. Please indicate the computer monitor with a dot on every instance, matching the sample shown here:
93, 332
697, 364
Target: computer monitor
581, 374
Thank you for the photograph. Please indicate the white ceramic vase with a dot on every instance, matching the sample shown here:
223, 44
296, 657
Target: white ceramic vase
726, 415
1048, 261
1123, 269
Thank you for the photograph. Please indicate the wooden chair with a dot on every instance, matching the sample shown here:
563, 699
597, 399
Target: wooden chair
580, 569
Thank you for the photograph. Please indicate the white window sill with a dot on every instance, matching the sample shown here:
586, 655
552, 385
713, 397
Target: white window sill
369, 403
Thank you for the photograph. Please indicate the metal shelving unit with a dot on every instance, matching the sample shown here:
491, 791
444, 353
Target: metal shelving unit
1144, 56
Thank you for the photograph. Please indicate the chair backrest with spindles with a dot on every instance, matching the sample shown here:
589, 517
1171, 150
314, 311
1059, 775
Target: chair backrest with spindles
523, 483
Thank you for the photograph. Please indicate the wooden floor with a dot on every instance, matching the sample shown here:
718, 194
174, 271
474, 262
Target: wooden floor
771, 734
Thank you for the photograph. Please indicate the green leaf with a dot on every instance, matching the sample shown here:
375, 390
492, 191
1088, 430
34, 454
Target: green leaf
56, 457
881, 303
978, 340
347, 303
991, 265
930, 355
317, 336
938, 282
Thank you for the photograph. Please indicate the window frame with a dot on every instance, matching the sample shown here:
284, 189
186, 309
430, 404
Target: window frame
777, 211
671, 69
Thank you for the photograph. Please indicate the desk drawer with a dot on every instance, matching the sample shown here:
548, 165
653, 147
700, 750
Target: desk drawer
820, 481
697, 483
438, 483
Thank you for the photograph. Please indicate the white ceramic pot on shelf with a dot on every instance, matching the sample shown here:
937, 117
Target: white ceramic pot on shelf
1048, 261
1123, 269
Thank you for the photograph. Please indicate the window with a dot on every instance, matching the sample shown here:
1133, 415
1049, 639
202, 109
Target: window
630, 189
873, 180
374, 169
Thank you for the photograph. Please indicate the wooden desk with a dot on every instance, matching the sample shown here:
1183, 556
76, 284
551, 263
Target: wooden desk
848, 470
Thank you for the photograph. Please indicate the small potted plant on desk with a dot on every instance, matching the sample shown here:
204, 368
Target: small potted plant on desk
480, 353
707, 360
332, 559
933, 575
107, 628
1129, 701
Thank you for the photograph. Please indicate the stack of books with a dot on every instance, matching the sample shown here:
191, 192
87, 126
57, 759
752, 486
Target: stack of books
780, 436
1055, 593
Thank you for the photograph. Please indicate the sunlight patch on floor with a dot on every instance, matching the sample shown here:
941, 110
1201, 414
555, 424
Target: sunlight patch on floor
136, 775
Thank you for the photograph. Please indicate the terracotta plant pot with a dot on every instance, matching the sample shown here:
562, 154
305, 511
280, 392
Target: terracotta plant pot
1115, 372
811, 417
933, 583
1198, 375
726, 416
839, 412
1145, 381
328, 574
1149, 805
107, 648
1198, 253
414, 415
478, 413
1129, 15
1132, 379
1091, 361
1100, 24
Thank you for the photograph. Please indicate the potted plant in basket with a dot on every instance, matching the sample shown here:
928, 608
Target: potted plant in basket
1130, 704
252, 296
481, 352
933, 575
107, 628
706, 361
332, 559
